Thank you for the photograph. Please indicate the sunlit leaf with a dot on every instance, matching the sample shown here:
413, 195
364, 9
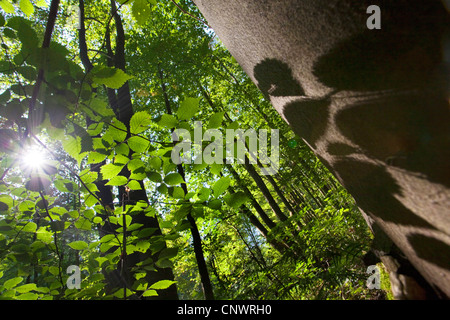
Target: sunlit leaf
110, 77
138, 144
78, 245
221, 186
173, 179
163, 284
139, 122
188, 108
117, 181
141, 11
27, 7
7, 6
110, 170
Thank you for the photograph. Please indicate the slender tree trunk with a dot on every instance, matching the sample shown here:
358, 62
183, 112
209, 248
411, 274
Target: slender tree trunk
265, 218
253, 173
264, 190
197, 240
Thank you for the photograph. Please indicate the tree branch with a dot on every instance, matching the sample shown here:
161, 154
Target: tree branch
45, 44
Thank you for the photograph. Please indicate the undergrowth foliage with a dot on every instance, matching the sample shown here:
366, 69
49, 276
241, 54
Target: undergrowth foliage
52, 215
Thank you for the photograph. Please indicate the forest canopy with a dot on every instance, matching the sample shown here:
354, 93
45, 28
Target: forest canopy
92, 96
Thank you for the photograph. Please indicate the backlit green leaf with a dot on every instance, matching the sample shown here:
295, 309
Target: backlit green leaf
11, 283
141, 11
117, 181
215, 120
139, 122
110, 170
78, 245
138, 144
26, 288
163, 284
173, 179
30, 227
221, 186
167, 120
110, 77
188, 108
117, 130
26, 7
7, 6
134, 185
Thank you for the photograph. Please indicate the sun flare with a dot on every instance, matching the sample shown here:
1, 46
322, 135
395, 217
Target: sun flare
33, 158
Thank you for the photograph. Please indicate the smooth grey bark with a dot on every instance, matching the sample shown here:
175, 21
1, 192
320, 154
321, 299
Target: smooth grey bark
372, 104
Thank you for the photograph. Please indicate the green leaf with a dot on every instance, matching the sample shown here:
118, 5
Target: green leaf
173, 179
121, 159
57, 226
215, 204
221, 186
150, 293
28, 296
110, 77
117, 130
83, 224
154, 176
101, 107
177, 192
73, 147
135, 164
142, 246
117, 181
122, 149
134, 185
27, 72
95, 129
182, 212
168, 120
163, 284
237, 199
30, 227
78, 245
141, 11
168, 253
138, 144
7, 6
215, 120
216, 168
44, 235
155, 163
25, 32
41, 3
26, 288
139, 122
89, 213
120, 294
11, 283
97, 220
188, 108
110, 170
95, 157
26, 7
204, 193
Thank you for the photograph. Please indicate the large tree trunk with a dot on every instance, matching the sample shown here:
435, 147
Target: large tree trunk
372, 104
